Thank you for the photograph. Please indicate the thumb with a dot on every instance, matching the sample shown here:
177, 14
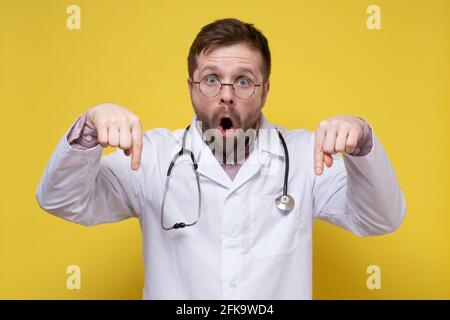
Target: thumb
328, 159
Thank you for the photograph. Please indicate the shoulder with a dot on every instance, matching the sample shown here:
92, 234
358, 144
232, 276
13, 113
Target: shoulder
299, 138
299, 135
162, 137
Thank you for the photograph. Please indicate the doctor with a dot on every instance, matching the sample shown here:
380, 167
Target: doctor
231, 215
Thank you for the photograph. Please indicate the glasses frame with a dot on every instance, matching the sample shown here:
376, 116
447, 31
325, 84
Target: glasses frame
227, 84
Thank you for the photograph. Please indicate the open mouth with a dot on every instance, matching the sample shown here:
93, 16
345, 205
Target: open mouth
226, 126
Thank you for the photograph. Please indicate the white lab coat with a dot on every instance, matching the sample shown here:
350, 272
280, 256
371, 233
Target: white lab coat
243, 247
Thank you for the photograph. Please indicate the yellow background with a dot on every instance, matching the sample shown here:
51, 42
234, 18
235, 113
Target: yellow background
325, 62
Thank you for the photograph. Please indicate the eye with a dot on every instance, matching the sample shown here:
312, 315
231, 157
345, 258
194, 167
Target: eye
211, 79
243, 82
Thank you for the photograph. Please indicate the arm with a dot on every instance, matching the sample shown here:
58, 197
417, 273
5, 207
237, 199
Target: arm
80, 186
360, 193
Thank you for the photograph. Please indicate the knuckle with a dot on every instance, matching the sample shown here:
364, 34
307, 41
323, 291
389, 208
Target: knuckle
111, 122
133, 119
125, 145
346, 125
323, 124
101, 122
327, 149
120, 120
335, 122
113, 141
351, 144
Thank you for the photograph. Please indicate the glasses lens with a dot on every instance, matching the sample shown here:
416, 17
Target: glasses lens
210, 86
243, 88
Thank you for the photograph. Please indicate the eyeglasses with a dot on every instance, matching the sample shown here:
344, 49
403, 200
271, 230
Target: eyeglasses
210, 86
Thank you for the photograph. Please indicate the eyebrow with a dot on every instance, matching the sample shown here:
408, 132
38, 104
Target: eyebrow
215, 68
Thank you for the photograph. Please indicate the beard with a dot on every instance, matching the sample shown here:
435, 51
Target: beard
227, 134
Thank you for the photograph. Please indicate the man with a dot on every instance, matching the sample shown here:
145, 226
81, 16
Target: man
213, 224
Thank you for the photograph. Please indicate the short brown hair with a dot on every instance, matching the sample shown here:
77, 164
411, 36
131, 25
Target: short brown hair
226, 32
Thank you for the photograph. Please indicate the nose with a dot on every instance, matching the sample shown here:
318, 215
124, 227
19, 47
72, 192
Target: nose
227, 95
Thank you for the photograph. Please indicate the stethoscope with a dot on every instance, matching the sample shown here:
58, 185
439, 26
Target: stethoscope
284, 202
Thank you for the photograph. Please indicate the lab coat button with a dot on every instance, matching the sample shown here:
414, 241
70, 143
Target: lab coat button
357, 150
88, 137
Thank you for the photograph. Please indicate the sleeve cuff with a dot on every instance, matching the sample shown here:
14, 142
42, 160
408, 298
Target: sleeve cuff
365, 143
82, 136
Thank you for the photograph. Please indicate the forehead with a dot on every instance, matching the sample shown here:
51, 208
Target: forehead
235, 58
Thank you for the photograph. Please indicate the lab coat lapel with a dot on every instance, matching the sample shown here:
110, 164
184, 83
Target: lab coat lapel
265, 147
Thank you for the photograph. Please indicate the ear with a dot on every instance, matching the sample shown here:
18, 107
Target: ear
190, 84
266, 88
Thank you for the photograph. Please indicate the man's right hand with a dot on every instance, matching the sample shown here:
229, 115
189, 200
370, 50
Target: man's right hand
117, 127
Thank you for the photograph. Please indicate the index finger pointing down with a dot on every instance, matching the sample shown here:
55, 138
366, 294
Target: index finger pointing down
136, 134
318, 150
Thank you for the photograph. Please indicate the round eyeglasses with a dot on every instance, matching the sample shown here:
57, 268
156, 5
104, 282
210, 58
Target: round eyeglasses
210, 86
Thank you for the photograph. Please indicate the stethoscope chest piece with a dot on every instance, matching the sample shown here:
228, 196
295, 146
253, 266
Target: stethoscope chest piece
285, 202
